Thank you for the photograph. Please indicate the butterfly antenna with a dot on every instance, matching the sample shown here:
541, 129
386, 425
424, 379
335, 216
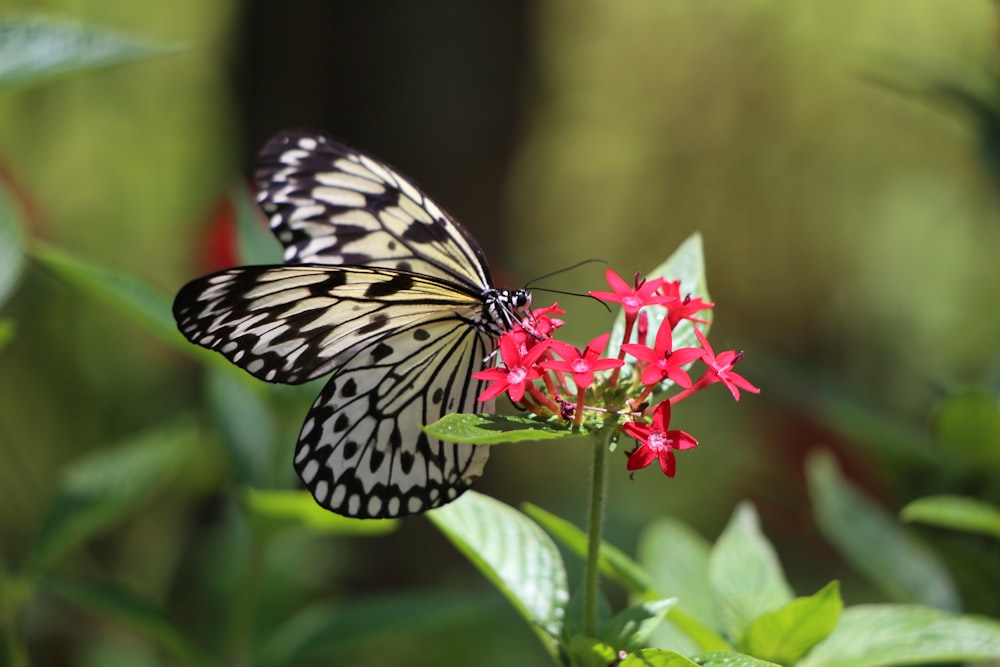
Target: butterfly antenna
592, 260
589, 296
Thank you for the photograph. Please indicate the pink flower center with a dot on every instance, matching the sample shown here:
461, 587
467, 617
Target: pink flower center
658, 441
580, 365
516, 375
632, 300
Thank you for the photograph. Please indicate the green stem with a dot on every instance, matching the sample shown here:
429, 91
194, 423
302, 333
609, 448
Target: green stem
595, 524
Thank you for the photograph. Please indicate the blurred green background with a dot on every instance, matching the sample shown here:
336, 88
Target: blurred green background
841, 160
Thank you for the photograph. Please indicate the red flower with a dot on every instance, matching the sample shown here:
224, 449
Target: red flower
631, 298
519, 370
581, 364
682, 308
656, 442
720, 368
662, 361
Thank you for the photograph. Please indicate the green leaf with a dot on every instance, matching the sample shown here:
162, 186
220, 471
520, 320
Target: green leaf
130, 296
300, 509
619, 567
874, 542
245, 422
957, 512
676, 559
629, 629
686, 264
35, 48
515, 554
785, 635
11, 240
588, 652
97, 491
613, 562
323, 631
655, 657
731, 659
121, 605
744, 574
967, 426
875, 635
496, 429
256, 245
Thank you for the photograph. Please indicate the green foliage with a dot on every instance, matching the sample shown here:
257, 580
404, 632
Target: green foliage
100, 490
955, 512
35, 49
744, 575
483, 429
786, 634
894, 560
967, 426
286, 509
871, 635
513, 553
127, 294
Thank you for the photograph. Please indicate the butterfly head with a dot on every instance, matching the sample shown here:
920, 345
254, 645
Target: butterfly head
504, 307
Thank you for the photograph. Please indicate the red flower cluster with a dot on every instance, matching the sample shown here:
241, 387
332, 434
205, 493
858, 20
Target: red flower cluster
551, 377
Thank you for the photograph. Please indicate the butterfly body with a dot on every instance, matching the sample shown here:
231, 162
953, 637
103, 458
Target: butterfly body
380, 288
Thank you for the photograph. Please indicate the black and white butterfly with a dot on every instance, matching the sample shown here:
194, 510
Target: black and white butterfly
381, 288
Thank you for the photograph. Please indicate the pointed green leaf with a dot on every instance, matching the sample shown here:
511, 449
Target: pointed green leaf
876, 635
99, 490
629, 629
35, 48
298, 508
874, 542
11, 244
676, 558
121, 605
588, 652
614, 563
655, 657
496, 429
245, 422
785, 635
956, 512
127, 294
515, 554
323, 631
744, 574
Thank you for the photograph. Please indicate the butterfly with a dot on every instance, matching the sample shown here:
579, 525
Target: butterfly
380, 288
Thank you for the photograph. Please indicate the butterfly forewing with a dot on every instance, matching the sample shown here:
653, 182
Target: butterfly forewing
329, 204
292, 324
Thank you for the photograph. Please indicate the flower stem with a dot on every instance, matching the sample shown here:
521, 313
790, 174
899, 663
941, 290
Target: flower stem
595, 524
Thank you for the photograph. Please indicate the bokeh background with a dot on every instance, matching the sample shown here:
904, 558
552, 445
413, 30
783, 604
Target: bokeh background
840, 160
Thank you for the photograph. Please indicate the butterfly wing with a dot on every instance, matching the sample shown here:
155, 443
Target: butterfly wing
330, 204
361, 451
293, 324
402, 347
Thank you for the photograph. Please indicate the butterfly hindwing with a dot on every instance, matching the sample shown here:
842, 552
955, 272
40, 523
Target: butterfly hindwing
329, 204
361, 451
